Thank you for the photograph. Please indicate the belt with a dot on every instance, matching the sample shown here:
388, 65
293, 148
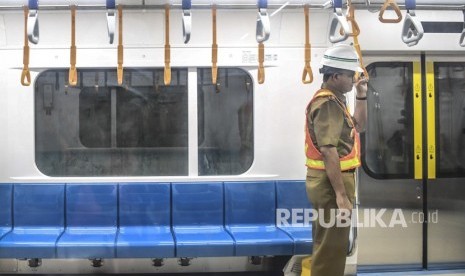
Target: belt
349, 171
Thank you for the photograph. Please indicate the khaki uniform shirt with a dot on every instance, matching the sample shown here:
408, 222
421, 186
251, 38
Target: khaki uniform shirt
328, 125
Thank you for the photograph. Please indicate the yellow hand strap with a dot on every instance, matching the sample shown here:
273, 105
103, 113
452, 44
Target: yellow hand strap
120, 45
214, 47
351, 19
26, 75
261, 59
307, 69
387, 4
356, 32
72, 78
167, 75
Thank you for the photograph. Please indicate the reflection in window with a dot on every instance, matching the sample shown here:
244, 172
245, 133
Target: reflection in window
450, 93
225, 130
389, 136
101, 129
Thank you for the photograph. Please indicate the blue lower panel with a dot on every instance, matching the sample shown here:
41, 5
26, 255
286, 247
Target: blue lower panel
145, 242
86, 245
259, 242
203, 243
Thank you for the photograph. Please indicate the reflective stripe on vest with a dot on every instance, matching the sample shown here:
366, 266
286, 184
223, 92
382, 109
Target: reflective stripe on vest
314, 156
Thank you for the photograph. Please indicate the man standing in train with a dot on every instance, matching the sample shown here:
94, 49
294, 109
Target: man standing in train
332, 148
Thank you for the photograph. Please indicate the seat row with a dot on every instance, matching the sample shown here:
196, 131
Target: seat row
150, 220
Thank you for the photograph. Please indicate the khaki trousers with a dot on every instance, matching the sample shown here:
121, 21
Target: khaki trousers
330, 244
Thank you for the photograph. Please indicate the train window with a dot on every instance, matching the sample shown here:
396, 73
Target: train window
389, 137
99, 128
225, 116
450, 93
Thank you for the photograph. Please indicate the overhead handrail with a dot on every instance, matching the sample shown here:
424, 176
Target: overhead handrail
55, 5
26, 75
462, 36
186, 20
33, 21
167, 71
111, 19
72, 77
351, 15
263, 22
395, 7
214, 47
412, 30
338, 18
120, 45
307, 72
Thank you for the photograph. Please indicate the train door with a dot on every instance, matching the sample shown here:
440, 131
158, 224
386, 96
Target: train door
411, 201
390, 185
445, 190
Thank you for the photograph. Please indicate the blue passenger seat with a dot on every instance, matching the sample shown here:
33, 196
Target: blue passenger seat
38, 216
250, 211
6, 191
198, 221
91, 221
292, 195
144, 220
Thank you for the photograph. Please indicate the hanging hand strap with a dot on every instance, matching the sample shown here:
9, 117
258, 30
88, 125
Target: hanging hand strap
338, 19
186, 20
393, 5
307, 72
111, 19
167, 75
356, 33
351, 20
72, 78
26, 75
120, 45
33, 21
214, 47
462, 35
412, 31
263, 22
261, 59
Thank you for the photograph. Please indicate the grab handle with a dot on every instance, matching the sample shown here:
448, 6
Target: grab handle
412, 30
33, 22
338, 18
263, 22
111, 19
395, 7
186, 20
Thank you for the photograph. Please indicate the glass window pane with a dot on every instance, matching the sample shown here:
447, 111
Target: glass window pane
101, 129
225, 129
389, 136
450, 94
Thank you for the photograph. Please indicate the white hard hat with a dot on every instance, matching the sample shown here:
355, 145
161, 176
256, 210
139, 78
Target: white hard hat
342, 56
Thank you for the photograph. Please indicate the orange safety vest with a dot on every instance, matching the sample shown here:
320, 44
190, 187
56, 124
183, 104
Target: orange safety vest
314, 156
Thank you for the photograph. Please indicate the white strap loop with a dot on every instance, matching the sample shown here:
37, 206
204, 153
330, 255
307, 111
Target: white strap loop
33, 26
186, 25
111, 19
412, 30
263, 26
339, 19
462, 36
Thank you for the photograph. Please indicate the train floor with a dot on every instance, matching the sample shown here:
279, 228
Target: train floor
413, 273
404, 273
